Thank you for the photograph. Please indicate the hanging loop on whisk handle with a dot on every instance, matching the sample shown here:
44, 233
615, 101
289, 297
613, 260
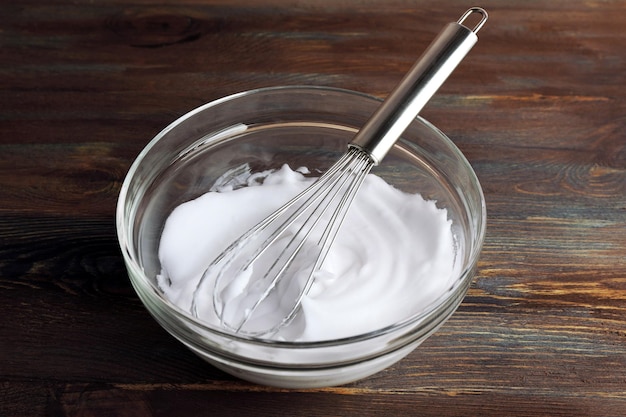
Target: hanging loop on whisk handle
405, 102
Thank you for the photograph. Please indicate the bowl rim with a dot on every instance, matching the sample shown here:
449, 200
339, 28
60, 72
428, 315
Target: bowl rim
463, 280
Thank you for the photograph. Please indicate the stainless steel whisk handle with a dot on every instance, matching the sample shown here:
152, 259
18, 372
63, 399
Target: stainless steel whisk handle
405, 102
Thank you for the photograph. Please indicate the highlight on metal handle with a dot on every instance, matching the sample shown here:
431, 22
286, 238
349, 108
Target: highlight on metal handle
389, 121
478, 10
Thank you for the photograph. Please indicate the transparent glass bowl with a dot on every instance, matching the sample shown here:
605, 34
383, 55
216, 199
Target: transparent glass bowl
302, 126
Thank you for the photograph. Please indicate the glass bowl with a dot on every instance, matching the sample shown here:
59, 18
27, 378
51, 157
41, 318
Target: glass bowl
302, 126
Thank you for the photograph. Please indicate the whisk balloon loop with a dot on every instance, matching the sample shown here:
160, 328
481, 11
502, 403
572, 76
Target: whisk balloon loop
313, 216
259, 281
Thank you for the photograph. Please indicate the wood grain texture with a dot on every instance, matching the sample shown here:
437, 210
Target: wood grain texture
538, 108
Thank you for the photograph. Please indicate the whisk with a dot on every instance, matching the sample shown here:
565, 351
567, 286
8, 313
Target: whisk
259, 281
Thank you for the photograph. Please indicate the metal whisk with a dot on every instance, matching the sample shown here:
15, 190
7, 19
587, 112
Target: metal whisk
272, 266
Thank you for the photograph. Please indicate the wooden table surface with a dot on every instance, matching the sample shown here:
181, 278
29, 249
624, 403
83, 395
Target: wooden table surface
538, 107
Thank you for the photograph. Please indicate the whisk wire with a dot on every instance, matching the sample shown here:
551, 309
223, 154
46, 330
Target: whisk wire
316, 200
349, 175
224, 261
360, 171
345, 175
362, 166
